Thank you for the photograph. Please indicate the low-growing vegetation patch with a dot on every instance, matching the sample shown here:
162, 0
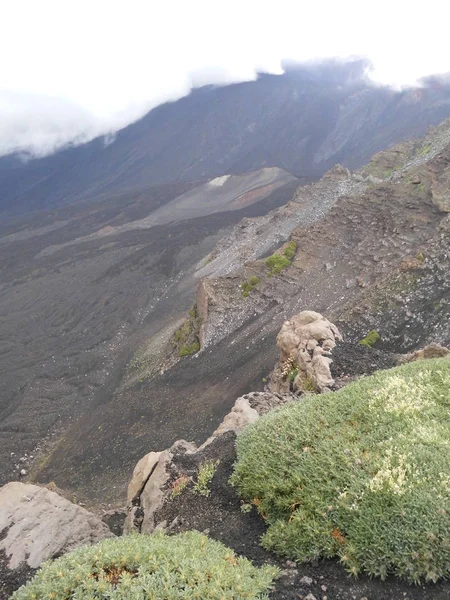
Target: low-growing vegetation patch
289, 251
371, 339
150, 567
276, 263
254, 280
204, 476
188, 349
425, 149
306, 385
185, 339
280, 261
293, 374
380, 170
362, 474
249, 286
179, 485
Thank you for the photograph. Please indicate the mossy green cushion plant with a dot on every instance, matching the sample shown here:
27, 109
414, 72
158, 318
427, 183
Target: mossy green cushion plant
150, 567
289, 251
362, 474
278, 262
371, 339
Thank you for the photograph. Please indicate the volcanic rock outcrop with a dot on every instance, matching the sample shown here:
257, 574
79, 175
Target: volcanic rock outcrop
305, 343
37, 525
430, 351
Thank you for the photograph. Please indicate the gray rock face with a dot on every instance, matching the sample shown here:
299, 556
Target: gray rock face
40, 525
153, 491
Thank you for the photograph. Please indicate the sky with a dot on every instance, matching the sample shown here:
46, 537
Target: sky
74, 69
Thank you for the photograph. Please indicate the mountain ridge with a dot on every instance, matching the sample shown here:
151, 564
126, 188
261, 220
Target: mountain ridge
314, 117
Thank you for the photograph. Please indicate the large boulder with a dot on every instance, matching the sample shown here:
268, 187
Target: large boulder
305, 343
40, 524
36, 525
247, 409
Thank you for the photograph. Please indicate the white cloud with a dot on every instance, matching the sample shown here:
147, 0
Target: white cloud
72, 69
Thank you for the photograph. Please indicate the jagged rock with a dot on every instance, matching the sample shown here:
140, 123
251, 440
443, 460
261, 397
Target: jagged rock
141, 473
40, 525
263, 402
430, 351
241, 414
305, 343
337, 173
247, 409
153, 493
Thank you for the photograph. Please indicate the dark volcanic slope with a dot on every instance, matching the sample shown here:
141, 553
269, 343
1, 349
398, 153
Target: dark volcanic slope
304, 121
72, 318
372, 252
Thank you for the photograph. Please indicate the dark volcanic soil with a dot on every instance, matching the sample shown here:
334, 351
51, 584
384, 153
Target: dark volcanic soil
71, 320
353, 360
98, 454
221, 517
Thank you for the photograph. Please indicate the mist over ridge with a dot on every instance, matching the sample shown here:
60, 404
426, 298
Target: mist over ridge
35, 126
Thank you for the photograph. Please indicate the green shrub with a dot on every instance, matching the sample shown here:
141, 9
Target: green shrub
362, 474
254, 280
276, 263
248, 286
185, 340
425, 149
179, 485
204, 476
292, 374
193, 312
289, 251
371, 339
188, 349
150, 567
